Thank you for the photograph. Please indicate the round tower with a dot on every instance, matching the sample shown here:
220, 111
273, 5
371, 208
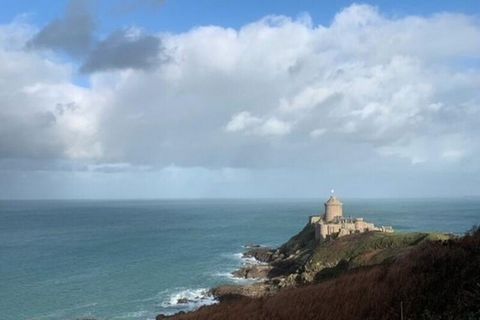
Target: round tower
333, 209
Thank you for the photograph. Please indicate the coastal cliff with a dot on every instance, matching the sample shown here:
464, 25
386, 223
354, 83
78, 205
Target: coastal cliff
362, 276
303, 260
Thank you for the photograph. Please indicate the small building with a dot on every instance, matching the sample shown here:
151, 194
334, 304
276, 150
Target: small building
333, 224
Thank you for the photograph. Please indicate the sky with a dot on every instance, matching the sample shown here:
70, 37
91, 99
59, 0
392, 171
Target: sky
134, 99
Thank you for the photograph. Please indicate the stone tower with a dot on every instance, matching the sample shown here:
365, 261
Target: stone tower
333, 209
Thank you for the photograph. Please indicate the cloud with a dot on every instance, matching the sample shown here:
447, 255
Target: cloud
123, 49
245, 122
275, 93
366, 80
317, 132
115, 167
73, 33
309, 98
42, 114
273, 126
242, 121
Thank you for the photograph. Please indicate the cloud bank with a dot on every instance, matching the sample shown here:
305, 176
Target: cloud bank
276, 93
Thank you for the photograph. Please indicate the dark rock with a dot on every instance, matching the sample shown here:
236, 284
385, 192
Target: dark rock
253, 272
231, 292
182, 301
162, 316
261, 254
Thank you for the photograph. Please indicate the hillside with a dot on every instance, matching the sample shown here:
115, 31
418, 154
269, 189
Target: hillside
370, 276
303, 260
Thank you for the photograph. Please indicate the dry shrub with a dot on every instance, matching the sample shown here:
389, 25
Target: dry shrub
435, 280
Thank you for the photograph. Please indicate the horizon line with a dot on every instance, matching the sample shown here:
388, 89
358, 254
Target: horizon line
242, 198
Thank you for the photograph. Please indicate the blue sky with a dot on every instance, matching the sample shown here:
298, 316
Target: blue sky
182, 15
175, 99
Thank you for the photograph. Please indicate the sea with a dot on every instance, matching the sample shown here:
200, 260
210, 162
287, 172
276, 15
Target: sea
132, 260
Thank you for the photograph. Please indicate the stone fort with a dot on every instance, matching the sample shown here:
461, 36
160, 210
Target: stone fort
333, 224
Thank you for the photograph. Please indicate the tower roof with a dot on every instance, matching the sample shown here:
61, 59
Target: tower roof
333, 200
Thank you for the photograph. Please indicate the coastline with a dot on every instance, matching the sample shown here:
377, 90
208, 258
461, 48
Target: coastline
183, 300
303, 261
218, 253
432, 279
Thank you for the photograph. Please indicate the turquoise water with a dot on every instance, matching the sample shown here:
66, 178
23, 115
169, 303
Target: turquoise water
133, 259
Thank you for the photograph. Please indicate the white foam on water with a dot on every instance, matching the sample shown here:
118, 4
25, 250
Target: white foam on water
238, 255
252, 261
247, 260
242, 262
229, 276
187, 300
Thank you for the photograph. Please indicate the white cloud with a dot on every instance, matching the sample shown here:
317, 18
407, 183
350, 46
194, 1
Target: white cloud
385, 87
245, 122
309, 98
273, 126
317, 132
242, 121
42, 113
453, 154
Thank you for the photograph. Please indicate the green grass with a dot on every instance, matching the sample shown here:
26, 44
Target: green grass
356, 250
304, 240
367, 248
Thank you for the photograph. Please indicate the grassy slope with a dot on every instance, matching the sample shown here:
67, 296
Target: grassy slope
432, 280
370, 248
351, 251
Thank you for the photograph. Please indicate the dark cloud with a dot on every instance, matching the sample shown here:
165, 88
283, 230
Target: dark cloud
124, 49
33, 136
73, 33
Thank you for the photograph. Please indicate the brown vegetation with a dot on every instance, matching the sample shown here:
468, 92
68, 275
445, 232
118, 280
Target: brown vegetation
435, 280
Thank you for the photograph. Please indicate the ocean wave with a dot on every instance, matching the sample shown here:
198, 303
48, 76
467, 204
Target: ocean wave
247, 261
187, 300
252, 261
229, 276
238, 255
242, 261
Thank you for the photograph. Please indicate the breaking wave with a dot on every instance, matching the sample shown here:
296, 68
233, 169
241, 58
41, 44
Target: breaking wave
187, 300
247, 261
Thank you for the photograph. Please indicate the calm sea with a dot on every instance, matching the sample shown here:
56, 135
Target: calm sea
134, 259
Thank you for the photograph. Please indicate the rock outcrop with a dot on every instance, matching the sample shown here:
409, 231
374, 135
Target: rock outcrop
303, 263
428, 280
414, 276
303, 260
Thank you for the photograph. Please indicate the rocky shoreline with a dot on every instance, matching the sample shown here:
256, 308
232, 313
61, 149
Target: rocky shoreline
272, 271
303, 260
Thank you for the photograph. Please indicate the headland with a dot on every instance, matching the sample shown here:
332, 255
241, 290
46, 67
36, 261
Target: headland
345, 268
